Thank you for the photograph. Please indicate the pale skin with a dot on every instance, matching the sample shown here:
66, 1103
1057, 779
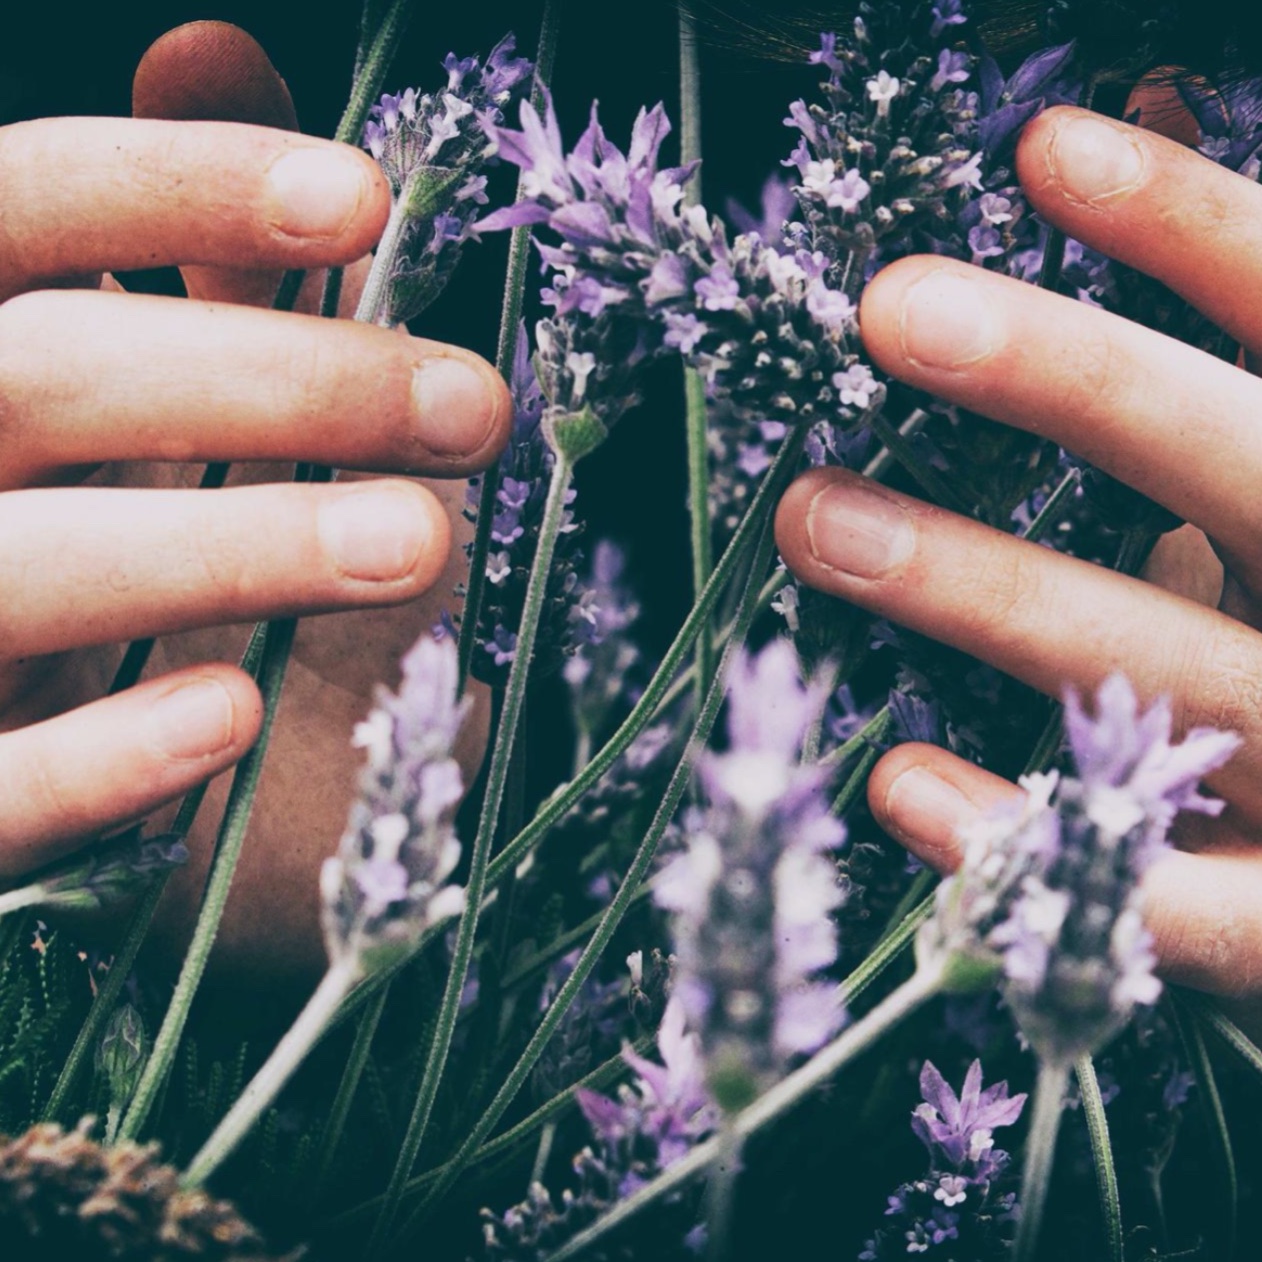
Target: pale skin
119, 391
1174, 423
123, 390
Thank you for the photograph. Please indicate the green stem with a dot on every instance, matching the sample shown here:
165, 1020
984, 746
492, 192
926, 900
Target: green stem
497, 776
622, 900
340, 1110
370, 71
885, 953
915, 897
267, 1084
1051, 512
929, 480
694, 384
868, 735
883, 461
1226, 1029
598, 1080
510, 317
1040, 1151
721, 1192
1102, 1155
24, 896
1207, 1081
768, 1107
646, 708
236, 819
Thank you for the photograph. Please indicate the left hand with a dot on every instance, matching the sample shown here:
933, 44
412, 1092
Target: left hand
1171, 421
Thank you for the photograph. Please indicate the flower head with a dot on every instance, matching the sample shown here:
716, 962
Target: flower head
753, 891
387, 882
958, 1198
636, 274
1048, 896
433, 150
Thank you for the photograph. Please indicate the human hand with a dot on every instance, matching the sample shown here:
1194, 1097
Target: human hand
130, 387
1172, 422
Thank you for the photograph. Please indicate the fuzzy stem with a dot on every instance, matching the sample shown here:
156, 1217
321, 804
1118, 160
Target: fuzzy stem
232, 830
543, 1152
510, 318
622, 900
767, 1108
928, 478
881, 463
340, 1110
1040, 1150
694, 384
23, 896
370, 70
374, 301
496, 780
598, 1080
1102, 1154
279, 1067
646, 708
890, 947
721, 1192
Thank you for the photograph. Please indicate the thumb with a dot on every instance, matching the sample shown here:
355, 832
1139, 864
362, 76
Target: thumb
214, 71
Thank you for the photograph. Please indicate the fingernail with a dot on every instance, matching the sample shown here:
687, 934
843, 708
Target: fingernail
374, 535
926, 809
1093, 160
946, 321
194, 720
316, 192
854, 528
455, 406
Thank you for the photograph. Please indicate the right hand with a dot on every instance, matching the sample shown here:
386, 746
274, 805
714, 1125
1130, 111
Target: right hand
119, 390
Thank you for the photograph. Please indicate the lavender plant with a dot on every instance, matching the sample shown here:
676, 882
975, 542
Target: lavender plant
959, 1207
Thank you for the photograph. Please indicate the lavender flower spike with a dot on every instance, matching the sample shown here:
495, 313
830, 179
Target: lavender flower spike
1048, 897
753, 892
635, 275
959, 1203
433, 150
387, 882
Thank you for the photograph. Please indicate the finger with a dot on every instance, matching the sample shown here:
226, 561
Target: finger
1204, 910
348, 395
1154, 204
71, 777
1048, 619
132, 563
86, 195
214, 71
211, 71
1162, 417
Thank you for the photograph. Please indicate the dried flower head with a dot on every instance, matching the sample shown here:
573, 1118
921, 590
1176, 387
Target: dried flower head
64, 1196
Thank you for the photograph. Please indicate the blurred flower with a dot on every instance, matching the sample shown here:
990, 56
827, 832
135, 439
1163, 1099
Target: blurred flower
387, 882
752, 893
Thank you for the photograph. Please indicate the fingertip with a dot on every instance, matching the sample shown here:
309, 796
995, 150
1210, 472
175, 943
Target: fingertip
881, 308
213, 71
790, 520
462, 409
211, 713
926, 798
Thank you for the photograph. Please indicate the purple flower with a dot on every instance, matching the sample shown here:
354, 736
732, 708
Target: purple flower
1048, 895
387, 882
637, 274
958, 1198
753, 892
524, 471
960, 1128
433, 150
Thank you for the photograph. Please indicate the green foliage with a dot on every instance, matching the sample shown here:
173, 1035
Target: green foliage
45, 990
